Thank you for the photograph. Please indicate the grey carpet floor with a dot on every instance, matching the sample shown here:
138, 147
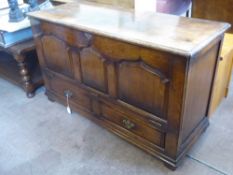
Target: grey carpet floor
38, 137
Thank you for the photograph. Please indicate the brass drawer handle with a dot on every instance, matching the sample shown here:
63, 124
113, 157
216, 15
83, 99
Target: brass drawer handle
128, 124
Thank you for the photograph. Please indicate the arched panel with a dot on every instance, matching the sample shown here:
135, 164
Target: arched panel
142, 86
93, 69
57, 55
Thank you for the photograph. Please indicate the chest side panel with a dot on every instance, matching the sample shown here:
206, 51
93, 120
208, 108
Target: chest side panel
198, 94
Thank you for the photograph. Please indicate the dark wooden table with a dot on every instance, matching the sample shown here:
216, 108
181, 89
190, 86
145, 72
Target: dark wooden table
19, 65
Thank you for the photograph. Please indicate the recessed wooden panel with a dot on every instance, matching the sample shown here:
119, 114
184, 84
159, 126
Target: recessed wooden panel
198, 90
57, 55
142, 86
93, 69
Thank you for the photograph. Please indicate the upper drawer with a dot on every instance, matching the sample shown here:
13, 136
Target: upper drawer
63, 86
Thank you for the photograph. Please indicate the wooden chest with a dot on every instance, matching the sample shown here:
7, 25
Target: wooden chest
147, 79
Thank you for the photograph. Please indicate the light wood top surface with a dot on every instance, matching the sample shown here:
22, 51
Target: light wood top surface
175, 34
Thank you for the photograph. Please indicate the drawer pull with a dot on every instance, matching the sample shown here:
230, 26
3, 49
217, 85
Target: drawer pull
128, 124
68, 94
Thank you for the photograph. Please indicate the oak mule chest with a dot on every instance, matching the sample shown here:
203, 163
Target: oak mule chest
146, 78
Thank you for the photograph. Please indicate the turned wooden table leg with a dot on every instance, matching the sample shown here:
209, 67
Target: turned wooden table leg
24, 72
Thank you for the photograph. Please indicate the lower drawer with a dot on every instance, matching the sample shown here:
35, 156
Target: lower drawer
132, 124
64, 86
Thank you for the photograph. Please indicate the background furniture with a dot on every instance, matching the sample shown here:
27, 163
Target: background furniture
223, 74
174, 7
19, 64
129, 76
220, 11
118, 3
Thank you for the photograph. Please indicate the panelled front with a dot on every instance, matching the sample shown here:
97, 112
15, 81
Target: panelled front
123, 71
134, 85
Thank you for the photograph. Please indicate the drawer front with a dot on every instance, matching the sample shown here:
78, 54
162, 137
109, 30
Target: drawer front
133, 124
63, 86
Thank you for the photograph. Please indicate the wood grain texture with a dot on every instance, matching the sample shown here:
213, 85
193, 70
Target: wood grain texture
199, 88
170, 33
144, 97
93, 69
